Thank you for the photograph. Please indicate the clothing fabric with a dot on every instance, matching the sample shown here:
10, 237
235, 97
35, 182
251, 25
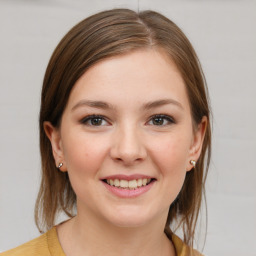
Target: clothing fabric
48, 245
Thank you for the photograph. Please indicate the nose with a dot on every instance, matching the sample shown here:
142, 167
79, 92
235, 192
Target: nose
127, 146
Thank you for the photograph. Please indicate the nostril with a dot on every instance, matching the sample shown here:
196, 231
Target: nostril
127, 150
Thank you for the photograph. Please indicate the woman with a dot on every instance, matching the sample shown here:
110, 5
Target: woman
125, 139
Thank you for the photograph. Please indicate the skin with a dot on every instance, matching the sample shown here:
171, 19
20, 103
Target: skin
129, 140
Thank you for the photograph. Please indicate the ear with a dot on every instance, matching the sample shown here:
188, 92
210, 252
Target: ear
53, 135
197, 142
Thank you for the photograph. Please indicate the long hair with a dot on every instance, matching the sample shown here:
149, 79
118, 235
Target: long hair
103, 35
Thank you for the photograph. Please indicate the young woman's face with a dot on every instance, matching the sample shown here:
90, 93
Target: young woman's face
126, 138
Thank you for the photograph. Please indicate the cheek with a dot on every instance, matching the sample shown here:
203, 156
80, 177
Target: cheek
171, 153
171, 156
172, 161
173, 167
83, 154
84, 157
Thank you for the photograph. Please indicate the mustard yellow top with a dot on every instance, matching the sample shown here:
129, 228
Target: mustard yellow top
49, 245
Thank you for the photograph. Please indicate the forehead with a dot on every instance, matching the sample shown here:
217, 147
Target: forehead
134, 78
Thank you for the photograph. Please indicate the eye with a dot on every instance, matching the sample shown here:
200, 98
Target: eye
161, 120
94, 120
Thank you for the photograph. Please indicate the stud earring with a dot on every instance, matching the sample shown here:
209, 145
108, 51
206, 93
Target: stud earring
193, 162
60, 165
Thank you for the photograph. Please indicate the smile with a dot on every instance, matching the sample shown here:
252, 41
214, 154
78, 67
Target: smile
131, 184
128, 186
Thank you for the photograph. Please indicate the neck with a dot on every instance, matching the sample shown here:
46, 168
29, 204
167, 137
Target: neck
86, 235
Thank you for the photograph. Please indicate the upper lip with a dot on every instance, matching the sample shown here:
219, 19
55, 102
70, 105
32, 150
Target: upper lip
127, 177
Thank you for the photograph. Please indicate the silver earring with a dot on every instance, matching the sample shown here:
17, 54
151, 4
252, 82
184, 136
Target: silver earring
193, 162
60, 165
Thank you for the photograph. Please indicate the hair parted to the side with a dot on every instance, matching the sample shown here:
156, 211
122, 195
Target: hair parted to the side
103, 35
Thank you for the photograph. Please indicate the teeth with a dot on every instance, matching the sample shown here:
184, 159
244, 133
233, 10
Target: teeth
132, 184
123, 183
139, 182
116, 183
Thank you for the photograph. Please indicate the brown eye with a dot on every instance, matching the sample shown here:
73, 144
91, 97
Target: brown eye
94, 121
158, 121
161, 120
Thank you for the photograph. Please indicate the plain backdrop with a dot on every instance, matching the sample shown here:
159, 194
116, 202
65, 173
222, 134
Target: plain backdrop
224, 36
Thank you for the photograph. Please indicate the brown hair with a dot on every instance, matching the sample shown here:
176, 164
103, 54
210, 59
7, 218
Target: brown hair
106, 34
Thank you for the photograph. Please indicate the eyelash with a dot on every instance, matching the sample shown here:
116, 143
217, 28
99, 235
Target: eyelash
169, 119
91, 117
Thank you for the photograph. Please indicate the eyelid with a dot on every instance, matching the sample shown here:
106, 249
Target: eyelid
89, 117
169, 118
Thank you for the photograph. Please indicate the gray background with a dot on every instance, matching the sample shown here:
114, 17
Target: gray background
224, 36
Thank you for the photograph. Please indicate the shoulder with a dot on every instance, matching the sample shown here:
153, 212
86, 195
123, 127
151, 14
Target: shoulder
36, 246
182, 249
44, 245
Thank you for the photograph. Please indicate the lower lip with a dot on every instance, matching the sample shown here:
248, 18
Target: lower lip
128, 193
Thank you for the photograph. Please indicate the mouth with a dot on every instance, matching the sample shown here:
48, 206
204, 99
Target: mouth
129, 184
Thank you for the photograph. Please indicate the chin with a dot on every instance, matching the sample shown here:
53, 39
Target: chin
130, 218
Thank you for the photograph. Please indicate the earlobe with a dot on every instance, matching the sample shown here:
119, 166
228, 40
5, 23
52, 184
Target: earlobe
53, 135
197, 143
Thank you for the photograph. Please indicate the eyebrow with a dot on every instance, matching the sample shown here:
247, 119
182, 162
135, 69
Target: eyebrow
93, 104
146, 106
162, 102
